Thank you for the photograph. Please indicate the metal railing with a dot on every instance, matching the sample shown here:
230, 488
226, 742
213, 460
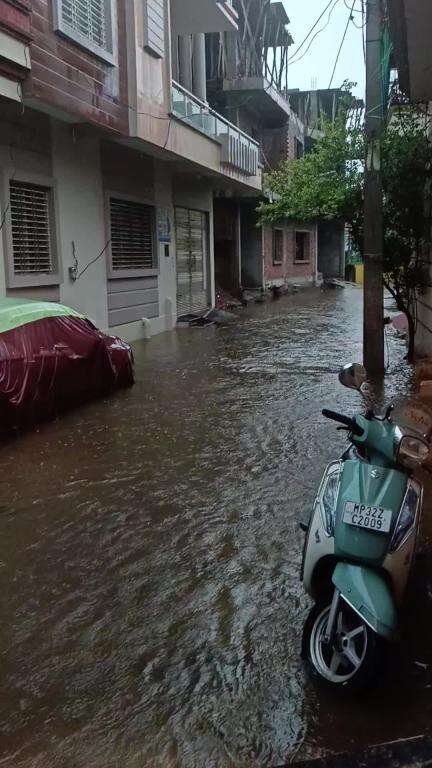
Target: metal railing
238, 149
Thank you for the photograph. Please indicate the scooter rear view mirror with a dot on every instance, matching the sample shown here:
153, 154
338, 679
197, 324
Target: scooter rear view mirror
353, 376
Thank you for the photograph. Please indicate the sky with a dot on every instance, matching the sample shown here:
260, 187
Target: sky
315, 69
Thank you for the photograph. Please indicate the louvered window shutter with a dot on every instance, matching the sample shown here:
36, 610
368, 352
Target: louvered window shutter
88, 18
30, 208
154, 32
132, 245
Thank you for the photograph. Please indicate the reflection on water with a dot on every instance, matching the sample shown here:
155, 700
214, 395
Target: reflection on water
149, 552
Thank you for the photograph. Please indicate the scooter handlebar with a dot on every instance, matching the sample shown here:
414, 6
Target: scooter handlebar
346, 420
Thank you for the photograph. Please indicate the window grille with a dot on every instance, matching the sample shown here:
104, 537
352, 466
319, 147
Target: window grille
132, 237
32, 228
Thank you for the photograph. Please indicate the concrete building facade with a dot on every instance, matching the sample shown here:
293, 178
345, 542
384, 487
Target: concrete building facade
109, 166
243, 85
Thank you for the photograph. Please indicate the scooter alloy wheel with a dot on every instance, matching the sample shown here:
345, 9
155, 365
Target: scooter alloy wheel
352, 660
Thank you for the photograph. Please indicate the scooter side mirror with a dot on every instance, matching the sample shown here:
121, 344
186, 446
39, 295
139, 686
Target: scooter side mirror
353, 376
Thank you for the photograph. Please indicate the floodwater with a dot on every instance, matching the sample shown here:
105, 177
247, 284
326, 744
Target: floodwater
151, 609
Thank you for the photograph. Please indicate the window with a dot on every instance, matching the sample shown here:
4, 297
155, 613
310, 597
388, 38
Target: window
154, 28
278, 246
33, 258
302, 247
90, 23
132, 237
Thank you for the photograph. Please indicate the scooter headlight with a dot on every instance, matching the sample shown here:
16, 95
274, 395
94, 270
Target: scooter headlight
328, 497
412, 451
408, 515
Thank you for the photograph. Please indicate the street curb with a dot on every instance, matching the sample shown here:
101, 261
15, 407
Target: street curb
406, 753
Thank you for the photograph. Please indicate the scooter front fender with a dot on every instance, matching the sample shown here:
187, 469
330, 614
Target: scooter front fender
367, 592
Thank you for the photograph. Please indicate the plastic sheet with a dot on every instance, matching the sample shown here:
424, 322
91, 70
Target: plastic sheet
54, 363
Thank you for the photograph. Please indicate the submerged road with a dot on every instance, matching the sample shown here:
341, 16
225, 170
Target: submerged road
151, 609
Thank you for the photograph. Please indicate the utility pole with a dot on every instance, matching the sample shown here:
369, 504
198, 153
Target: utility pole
373, 323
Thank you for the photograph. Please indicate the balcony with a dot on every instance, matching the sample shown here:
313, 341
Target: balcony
262, 96
239, 151
191, 17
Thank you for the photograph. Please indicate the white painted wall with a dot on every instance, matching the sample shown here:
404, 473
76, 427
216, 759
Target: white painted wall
80, 203
49, 148
167, 263
25, 154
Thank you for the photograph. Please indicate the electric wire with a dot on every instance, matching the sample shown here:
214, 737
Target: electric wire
298, 49
291, 62
93, 261
388, 349
8, 204
341, 45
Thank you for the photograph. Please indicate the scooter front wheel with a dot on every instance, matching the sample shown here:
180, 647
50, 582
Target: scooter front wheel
353, 659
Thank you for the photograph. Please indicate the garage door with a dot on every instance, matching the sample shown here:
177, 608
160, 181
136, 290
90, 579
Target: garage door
191, 246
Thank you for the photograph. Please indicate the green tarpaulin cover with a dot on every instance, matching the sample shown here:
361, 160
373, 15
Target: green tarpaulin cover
17, 312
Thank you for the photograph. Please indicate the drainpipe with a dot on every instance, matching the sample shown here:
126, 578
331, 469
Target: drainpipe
185, 61
199, 66
316, 253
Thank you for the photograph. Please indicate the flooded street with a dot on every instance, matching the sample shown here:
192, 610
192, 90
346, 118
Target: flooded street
150, 551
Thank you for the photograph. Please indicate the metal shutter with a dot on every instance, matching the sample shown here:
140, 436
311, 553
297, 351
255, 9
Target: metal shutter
30, 208
131, 235
88, 17
155, 27
191, 244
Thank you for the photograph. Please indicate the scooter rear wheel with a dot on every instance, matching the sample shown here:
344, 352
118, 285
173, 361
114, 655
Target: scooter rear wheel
355, 658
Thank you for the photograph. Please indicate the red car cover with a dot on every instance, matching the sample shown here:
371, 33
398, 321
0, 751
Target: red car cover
51, 364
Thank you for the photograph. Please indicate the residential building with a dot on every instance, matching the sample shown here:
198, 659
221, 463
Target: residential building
411, 29
110, 157
312, 107
247, 81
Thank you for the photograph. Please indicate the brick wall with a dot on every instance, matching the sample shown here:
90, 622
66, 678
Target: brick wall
15, 18
289, 270
73, 79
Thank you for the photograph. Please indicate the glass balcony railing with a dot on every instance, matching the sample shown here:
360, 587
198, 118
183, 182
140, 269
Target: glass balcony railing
238, 149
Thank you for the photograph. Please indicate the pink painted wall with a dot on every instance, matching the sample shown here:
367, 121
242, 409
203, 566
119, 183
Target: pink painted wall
289, 270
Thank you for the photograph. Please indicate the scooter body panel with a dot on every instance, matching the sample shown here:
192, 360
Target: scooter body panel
372, 486
318, 546
367, 592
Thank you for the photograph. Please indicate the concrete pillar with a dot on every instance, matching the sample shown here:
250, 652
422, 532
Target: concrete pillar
199, 67
185, 61
231, 55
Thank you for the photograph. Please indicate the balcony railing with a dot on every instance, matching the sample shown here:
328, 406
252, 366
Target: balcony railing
238, 149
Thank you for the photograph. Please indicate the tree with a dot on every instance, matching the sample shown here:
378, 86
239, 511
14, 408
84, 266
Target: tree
328, 183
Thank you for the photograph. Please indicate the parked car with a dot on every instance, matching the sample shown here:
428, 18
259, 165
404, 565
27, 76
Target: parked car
53, 358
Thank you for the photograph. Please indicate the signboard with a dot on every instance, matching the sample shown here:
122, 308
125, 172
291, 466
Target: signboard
164, 226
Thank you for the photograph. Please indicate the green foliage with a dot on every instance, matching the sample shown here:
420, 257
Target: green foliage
323, 183
328, 183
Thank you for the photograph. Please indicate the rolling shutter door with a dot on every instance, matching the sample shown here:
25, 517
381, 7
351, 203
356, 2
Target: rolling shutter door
191, 245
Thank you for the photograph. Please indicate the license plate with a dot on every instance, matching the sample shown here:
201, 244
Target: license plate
372, 518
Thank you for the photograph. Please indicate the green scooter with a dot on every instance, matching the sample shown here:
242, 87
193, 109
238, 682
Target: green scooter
359, 546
